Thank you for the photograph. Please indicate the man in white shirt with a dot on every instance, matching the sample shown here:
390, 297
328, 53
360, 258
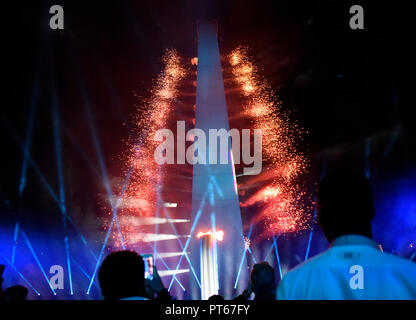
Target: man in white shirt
353, 267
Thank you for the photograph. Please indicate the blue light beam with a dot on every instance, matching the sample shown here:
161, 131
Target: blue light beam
37, 261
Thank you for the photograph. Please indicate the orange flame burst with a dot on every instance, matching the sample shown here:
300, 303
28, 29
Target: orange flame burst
219, 235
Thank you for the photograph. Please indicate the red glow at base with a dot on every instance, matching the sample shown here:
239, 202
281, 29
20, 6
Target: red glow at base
219, 235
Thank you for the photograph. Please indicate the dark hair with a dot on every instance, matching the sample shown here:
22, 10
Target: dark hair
263, 281
16, 293
122, 275
216, 298
345, 204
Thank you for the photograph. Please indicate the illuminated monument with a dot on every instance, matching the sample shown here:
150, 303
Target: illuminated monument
215, 203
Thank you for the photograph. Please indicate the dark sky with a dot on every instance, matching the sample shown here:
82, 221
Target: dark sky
342, 83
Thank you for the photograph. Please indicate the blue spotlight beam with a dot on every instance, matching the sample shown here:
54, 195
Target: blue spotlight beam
45, 182
58, 153
15, 238
81, 151
311, 234
100, 157
100, 255
180, 243
95, 138
68, 263
252, 255
110, 227
323, 171
19, 273
62, 200
198, 214
28, 140
167, 267
413, 255
32, 163
277, 256
268, 252
214, 229
393, 139
37, 260
243, 257
83, 271
239, 270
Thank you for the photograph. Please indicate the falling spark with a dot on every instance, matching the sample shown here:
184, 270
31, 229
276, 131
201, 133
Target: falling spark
140, 198
280, 199
247, 243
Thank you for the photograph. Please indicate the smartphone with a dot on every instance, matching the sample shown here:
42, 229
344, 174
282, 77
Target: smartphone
148, 266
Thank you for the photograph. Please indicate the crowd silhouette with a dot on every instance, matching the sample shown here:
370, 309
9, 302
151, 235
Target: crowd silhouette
352, 268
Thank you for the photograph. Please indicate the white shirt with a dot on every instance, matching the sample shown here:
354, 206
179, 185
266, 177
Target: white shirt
352, 268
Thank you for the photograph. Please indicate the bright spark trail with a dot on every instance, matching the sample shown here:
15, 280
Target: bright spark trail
281, 198
141, 196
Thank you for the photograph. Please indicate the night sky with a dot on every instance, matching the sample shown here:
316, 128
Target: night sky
341, 84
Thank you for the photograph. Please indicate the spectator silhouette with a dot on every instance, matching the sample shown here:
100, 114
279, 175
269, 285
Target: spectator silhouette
1, 282
15, 293
262, 283
121, 276
216, 298
353, 267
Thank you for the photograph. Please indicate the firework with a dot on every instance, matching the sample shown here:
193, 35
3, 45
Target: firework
280, 198
140, 198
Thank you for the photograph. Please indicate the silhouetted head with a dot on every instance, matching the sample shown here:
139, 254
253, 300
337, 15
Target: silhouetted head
122, 275
345, 204
16, 293
216, 298
263, 282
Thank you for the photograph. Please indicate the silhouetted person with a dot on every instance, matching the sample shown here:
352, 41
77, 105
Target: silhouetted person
1, 281
15, 293
121, 276
216, 298
155, 288
353, 267
262, 283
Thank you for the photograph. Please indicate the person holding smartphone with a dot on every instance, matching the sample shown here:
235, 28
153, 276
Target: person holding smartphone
122, 276
262, 283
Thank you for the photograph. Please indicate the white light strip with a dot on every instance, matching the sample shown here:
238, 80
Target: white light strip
170, 205
170, 254
150, 237
164, 273
141, 221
